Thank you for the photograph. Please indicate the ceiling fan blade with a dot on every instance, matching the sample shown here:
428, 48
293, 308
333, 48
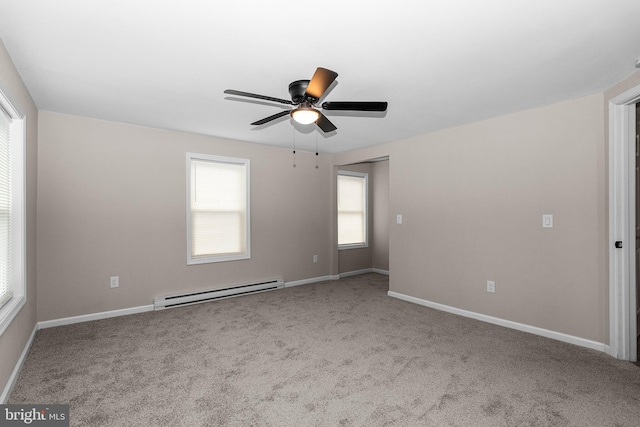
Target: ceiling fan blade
320, 81
355, 106
324, 123
270, 118
253, 95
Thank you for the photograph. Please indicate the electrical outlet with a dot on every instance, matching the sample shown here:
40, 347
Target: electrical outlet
315, 258
491, 286
114, 282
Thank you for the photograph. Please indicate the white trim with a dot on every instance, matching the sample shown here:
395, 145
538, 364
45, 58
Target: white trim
353, 246
622, 322
94, 316
506, 323
10, 310
308, 281
334, 277
8, 388
18, 147
356, 272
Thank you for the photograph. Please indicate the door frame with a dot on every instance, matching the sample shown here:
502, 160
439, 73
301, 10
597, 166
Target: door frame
622, 193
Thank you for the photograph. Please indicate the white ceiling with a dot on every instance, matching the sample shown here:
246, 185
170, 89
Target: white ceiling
439, 64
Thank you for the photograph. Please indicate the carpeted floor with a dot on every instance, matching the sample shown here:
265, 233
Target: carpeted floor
333, 353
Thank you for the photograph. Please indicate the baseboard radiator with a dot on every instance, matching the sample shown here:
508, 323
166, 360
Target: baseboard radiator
160, 303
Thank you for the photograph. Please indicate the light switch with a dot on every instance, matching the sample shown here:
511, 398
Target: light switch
547, 221
398, 219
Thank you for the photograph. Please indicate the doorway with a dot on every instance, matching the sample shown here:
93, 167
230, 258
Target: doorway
623, 203
373, 257
637, 251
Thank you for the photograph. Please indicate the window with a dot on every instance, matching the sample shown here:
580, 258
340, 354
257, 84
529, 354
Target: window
352, 210
217, 209
12, 234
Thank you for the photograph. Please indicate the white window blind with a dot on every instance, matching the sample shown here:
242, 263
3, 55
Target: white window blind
218, 209
352, 209
5, 210
12, 204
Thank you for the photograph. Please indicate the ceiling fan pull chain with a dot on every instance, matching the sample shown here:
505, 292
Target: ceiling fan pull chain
293, 134
316, 132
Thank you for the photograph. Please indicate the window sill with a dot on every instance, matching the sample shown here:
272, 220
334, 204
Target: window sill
10, 311
353, 246
212, 259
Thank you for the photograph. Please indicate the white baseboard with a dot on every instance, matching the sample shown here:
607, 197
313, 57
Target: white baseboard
363, 271
94, 316
334, 277
506, 323
4, 397
308, 281
356, 272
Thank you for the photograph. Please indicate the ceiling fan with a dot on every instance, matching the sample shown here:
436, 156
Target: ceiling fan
305, 94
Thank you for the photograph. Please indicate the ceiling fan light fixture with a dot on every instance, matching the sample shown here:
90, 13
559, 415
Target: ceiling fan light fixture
305, 115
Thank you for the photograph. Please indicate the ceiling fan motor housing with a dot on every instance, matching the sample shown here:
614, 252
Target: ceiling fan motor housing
297, 91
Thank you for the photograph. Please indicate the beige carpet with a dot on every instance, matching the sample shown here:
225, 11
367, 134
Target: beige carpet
333, 353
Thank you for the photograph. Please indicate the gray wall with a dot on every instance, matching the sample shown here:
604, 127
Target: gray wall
14, 338
111, 202
472, 198
380, 223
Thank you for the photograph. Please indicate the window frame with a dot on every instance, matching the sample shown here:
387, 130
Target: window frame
191, 260
17, 144
365, 177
